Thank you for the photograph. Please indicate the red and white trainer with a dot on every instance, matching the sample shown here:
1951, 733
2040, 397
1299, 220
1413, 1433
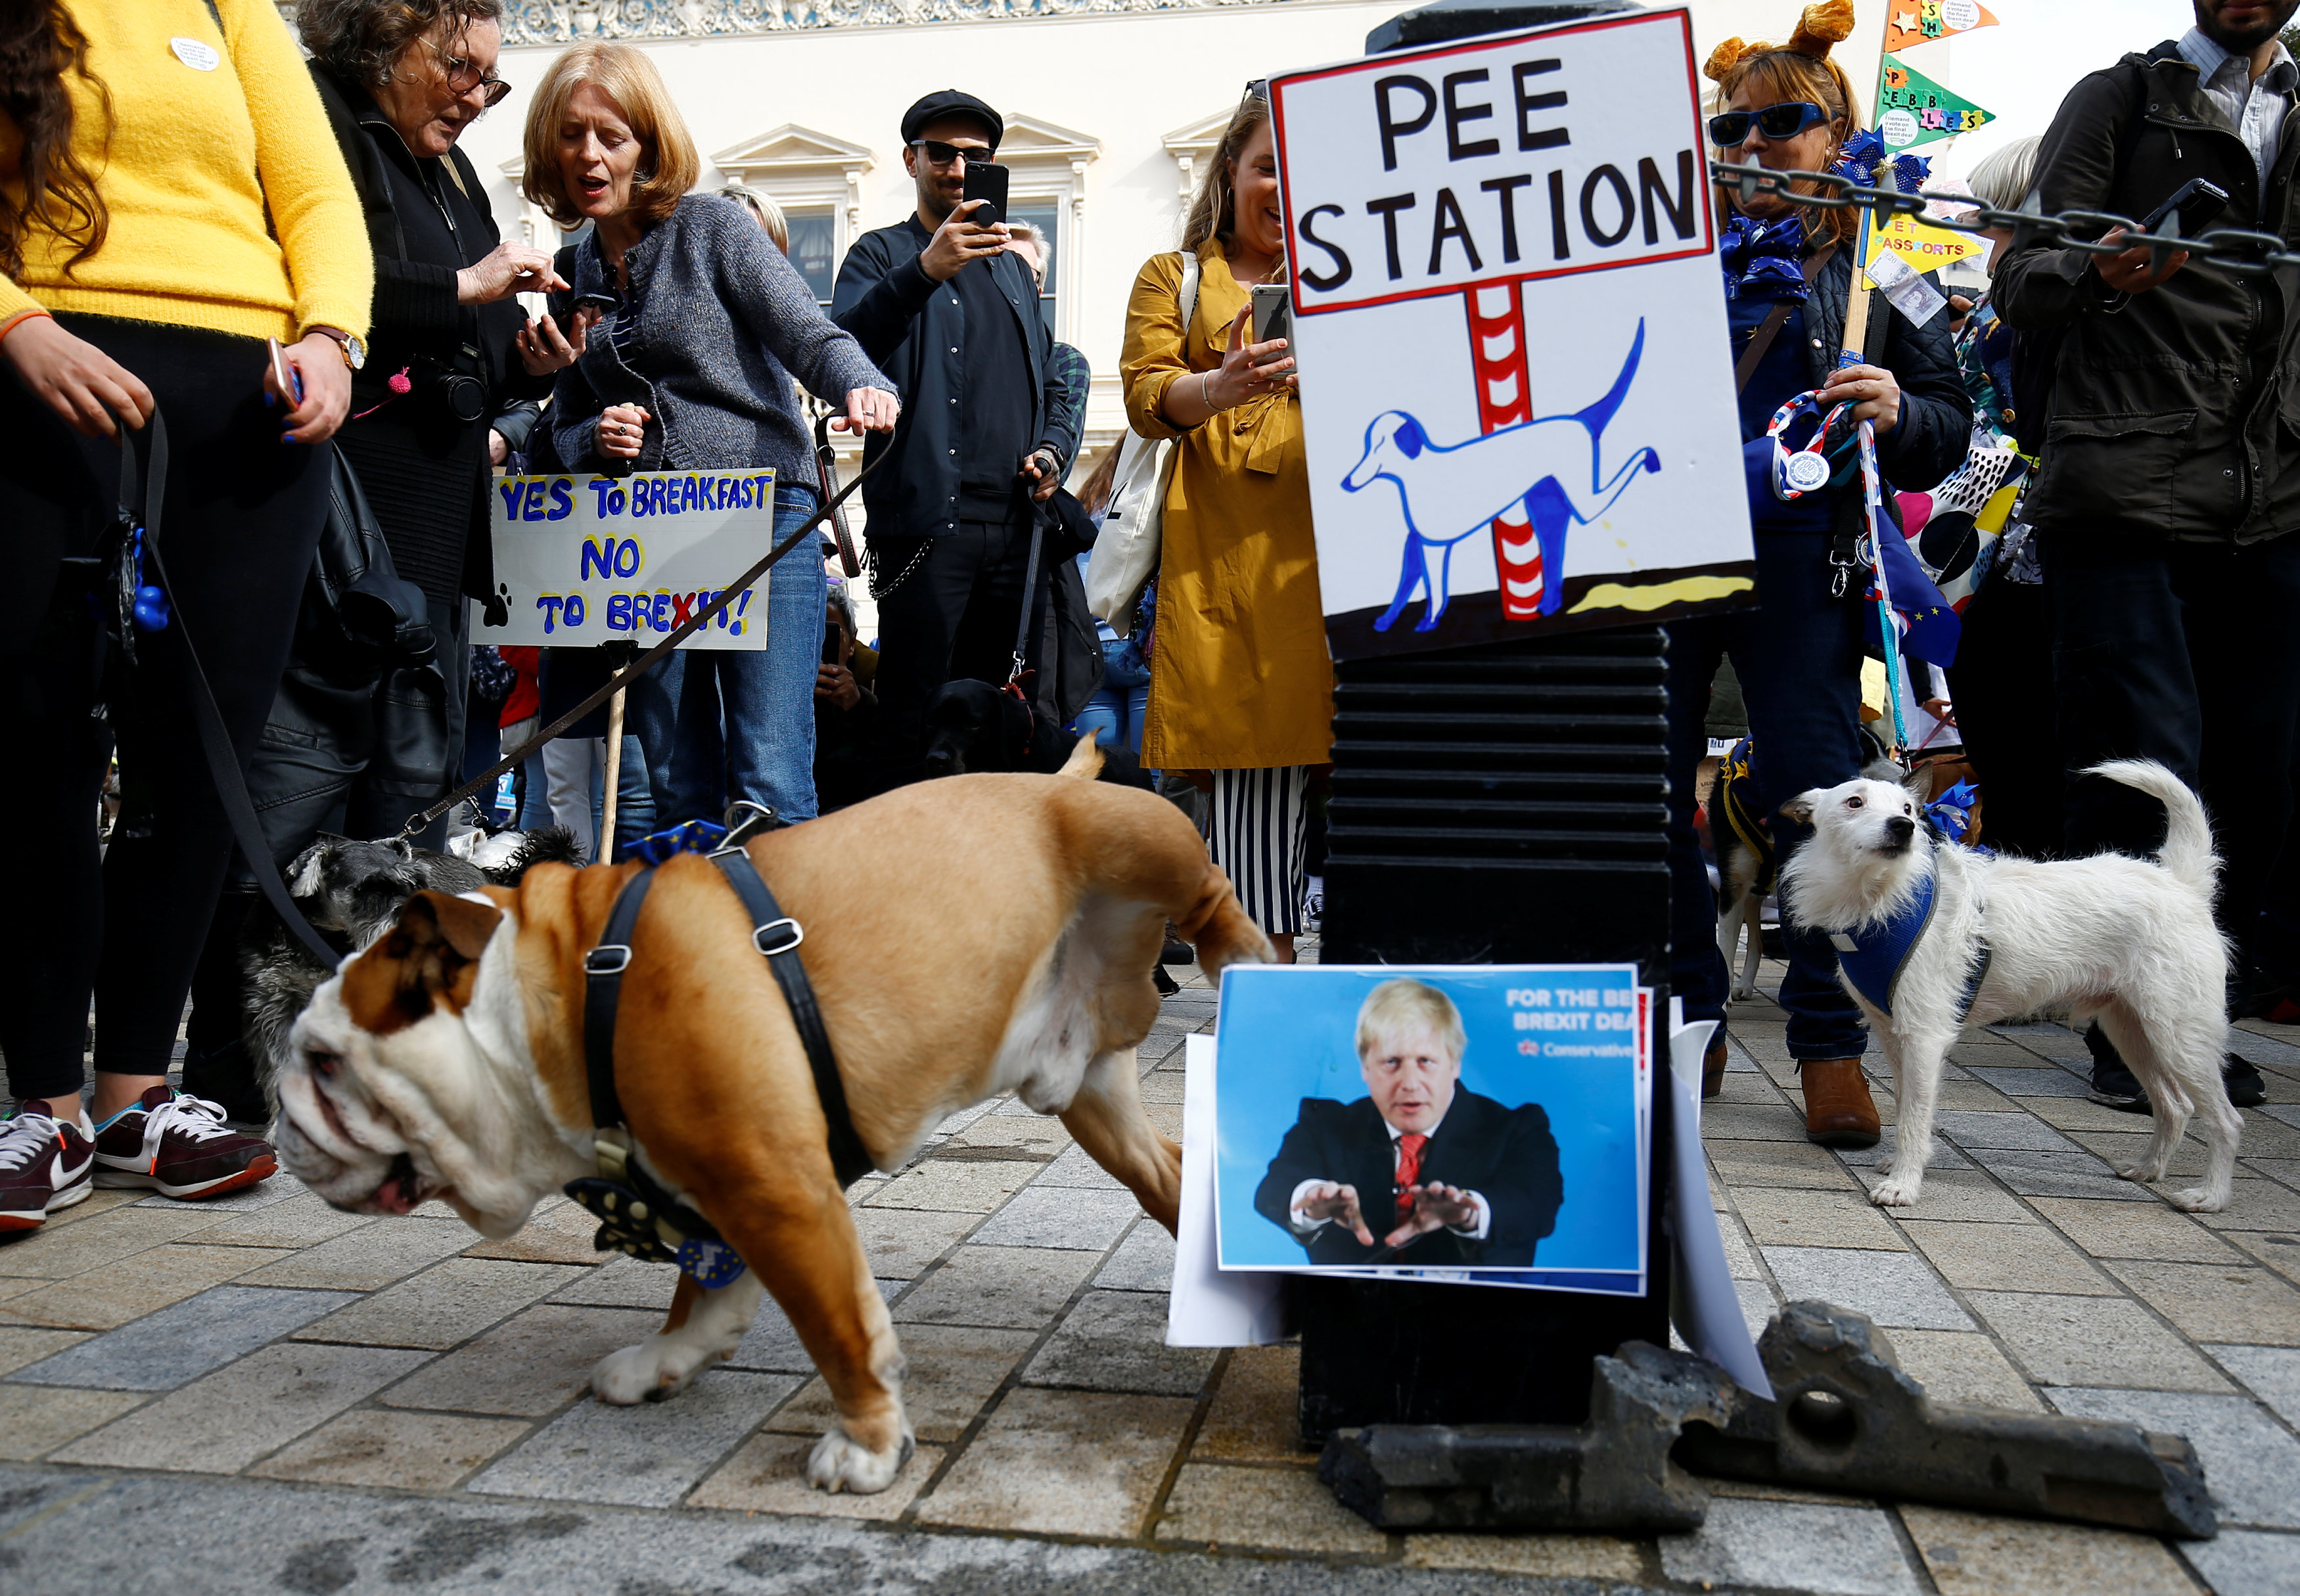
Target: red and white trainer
178, 1146
45, 1164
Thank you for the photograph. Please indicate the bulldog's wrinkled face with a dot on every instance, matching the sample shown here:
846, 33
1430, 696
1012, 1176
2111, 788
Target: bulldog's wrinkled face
411, 1078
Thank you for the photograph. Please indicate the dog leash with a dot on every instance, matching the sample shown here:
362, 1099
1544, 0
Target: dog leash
637, 1214
222, 759
826, 476
1881, 588
638, 668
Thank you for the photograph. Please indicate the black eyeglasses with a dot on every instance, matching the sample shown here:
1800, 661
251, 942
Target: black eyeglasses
939, 154
464, 76
1785, 120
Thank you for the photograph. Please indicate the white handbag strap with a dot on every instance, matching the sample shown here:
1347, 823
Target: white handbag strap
1190, 290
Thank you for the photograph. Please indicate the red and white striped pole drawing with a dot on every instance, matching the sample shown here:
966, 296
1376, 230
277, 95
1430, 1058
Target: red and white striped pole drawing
1505, 376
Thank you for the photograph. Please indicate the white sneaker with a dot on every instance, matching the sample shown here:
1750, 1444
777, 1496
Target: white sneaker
45, 1164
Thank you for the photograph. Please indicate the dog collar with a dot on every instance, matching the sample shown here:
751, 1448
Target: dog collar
1873, 959
1797, 472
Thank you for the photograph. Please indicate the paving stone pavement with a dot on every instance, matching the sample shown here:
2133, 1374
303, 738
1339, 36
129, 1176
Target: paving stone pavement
263, 1394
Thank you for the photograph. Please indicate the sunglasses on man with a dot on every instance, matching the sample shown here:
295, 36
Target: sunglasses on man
939, 154
1785, 120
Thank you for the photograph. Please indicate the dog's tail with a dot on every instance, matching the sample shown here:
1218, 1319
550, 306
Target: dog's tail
1085, 762
1216, 924
2187, 850
1596, 416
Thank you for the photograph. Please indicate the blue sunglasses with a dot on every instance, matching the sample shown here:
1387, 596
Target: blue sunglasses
1785, 120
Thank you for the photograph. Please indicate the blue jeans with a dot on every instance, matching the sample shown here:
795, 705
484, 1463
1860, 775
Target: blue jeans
1799, 662
717, 725
1116, 713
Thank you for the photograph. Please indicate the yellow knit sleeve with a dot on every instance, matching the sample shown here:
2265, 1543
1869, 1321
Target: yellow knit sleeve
314, 208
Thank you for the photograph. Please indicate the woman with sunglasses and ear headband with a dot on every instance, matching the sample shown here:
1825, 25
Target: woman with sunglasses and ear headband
1789, 279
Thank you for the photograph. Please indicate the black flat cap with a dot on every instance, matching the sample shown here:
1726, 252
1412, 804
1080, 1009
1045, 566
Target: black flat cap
952, 102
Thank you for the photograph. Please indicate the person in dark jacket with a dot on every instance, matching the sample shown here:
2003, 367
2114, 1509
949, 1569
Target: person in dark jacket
1788, 273
939, 302
1418, 1172
2169, 488
449, 348
693, 371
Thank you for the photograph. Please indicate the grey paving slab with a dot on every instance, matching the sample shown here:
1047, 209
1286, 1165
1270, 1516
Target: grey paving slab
2271, 1374
1116, 1341
1076, 1169
1080, 1220
2093, 1341
163, 1350
625, 1283
2247, 1563
1011, 1287
1143, 1262
78, 1530
527, 1366
444, 1304
2029, 1083
1944, 1156
642, 1456
2059, 1175
371, 1257
1802, 1546
224, 1421
2022, 1132
2262, 1049
1895, 1289
965, 1117
2250, 1461
274, 1188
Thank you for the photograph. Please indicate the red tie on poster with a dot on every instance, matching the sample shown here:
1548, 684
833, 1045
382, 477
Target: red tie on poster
1409, 1169
1505, 376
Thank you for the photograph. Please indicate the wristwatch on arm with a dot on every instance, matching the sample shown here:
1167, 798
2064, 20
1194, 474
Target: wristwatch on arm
354, 346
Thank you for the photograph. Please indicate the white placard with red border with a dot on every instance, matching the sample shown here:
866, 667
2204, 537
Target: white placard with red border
1517, 384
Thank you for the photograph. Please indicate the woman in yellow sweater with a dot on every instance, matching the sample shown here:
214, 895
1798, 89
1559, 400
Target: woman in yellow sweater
170, 198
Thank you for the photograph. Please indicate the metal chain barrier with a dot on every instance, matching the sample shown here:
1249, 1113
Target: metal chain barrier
2231, 249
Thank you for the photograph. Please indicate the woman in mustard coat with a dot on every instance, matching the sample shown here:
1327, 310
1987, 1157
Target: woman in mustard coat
1240, 682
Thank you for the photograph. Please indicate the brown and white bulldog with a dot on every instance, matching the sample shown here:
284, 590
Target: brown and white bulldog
967, 938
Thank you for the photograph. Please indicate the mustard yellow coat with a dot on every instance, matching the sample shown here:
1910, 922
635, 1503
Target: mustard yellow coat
1239, 676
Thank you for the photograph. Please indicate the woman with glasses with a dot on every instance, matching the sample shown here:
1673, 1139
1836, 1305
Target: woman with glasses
1788, 278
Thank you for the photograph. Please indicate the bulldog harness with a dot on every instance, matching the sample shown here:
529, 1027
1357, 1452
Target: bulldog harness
1873, 959
637, 1214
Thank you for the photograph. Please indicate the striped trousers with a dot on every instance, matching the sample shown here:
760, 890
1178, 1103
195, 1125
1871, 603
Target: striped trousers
1258, 833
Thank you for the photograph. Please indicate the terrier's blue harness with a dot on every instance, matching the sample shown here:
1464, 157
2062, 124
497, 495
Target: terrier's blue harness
1873, 959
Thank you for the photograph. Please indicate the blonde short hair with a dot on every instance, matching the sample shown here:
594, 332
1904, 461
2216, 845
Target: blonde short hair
763, 205
669, 166
1395, 1006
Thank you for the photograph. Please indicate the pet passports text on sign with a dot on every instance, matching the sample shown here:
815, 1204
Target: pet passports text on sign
1486, 160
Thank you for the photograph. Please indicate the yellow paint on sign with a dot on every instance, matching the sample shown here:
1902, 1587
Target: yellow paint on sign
1923, 246
1685, 590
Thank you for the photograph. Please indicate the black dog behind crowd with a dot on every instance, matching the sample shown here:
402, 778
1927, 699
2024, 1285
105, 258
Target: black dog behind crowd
973, 727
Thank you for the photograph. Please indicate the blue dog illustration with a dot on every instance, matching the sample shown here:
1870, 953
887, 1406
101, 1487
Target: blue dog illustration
1447, 493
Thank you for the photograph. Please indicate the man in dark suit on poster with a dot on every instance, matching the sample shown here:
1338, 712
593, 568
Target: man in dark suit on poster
1418, 1173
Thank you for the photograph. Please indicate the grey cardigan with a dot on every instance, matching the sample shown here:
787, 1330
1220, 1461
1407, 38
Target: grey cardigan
722, 321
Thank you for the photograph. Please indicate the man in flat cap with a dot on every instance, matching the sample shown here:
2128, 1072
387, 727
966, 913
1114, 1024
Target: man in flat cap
937, 303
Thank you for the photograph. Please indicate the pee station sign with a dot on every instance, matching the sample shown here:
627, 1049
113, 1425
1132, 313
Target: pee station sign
1516, 378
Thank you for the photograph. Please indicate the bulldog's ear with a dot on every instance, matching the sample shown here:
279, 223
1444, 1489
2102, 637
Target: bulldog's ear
1798, 810
432, 953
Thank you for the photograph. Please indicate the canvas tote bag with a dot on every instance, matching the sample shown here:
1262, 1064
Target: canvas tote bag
1126, 554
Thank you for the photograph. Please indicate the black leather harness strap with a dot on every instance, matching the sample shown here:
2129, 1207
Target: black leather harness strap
777, 936
603, 983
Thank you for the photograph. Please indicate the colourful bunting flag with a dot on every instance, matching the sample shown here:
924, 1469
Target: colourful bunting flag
1910, 23
1912, 109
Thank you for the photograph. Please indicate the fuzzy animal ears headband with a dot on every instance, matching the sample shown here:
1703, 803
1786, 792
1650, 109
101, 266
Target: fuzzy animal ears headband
1825, 22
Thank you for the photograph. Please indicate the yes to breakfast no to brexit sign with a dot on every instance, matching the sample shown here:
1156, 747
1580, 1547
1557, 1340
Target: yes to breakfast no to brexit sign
581, 560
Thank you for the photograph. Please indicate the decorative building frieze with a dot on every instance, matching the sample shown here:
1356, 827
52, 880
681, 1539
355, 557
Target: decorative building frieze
561, 21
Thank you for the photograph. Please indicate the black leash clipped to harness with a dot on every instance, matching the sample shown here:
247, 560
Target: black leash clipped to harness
637, 1214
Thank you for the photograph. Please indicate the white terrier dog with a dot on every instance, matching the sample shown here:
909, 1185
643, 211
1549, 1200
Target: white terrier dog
1933, 938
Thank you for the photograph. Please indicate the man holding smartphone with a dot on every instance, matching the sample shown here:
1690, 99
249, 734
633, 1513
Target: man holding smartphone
2167, 494
988, 427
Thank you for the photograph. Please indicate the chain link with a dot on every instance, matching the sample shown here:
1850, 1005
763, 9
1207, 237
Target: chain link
2236, 250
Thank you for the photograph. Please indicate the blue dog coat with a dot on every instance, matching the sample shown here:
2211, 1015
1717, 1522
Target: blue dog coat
1874, 958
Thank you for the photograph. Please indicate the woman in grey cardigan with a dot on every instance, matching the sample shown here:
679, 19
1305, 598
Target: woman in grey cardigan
691, 370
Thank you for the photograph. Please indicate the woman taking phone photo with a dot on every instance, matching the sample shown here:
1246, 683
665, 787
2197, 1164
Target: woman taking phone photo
691, 370
1789, 279
168, 200
1240, 683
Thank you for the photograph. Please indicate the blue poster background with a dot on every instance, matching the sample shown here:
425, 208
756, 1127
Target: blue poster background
1289, 1032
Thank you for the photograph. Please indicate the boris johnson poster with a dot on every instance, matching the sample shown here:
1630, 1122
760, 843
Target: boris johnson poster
1519, 409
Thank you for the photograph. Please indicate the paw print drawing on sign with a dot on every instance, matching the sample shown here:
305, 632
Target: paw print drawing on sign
496, 609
